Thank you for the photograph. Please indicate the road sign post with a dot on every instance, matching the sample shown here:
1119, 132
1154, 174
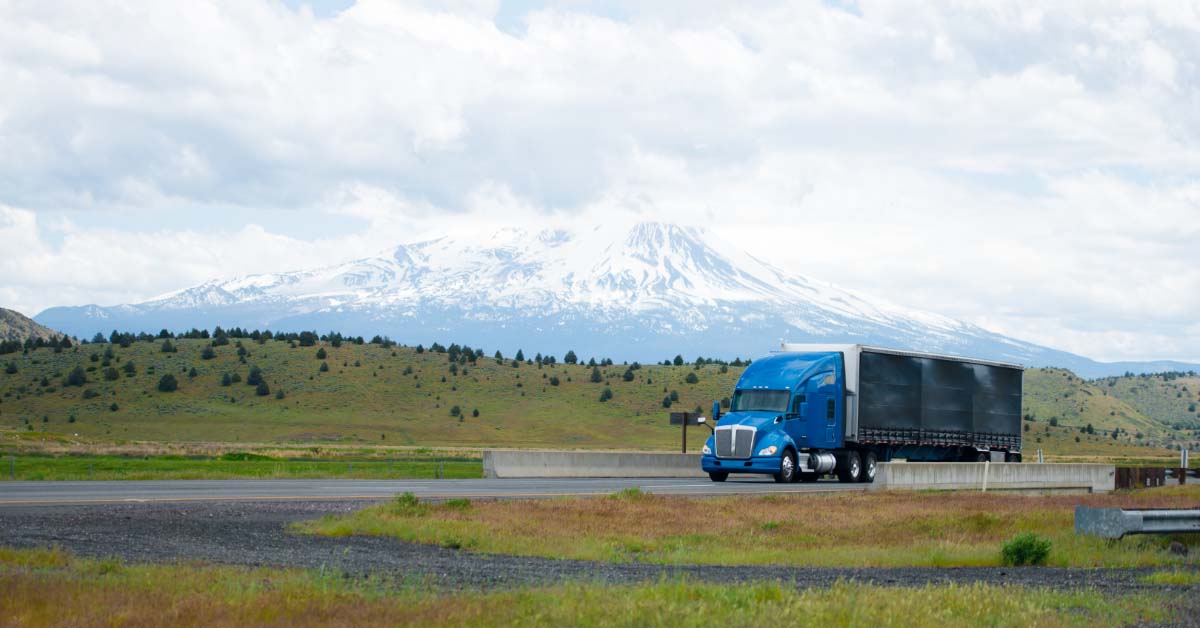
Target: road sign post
685, 419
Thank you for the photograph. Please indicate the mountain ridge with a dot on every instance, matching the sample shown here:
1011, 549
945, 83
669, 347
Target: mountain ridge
642, 293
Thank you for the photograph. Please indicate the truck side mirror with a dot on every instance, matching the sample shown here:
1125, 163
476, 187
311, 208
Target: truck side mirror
716, 410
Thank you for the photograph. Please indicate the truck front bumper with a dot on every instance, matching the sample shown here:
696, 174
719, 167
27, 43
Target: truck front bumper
757, 464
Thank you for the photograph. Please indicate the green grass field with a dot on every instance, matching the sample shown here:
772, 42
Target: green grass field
84, 467
377, 396
935, 529
49, 587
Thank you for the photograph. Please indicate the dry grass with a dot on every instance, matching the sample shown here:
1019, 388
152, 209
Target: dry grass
51, 588
896, 528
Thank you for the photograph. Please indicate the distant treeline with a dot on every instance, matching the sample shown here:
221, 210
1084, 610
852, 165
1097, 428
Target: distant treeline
219, 337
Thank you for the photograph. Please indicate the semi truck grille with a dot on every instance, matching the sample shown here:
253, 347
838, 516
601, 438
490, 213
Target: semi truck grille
735, 441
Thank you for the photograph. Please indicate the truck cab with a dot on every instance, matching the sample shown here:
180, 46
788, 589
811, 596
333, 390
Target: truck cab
787, 409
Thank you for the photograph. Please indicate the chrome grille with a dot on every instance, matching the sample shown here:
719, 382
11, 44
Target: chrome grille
735, 441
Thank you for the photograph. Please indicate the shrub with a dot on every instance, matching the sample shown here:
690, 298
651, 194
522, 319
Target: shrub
262, 390
111, 374
321, 353
627, 375
554, 381
475, 412
691, 378
208, 353
408, 504
90, 394
167, 347
666, 402
114, 407
192, 373
11, 368
606, 395
324, 368
596, 377
77, 377
279, 394
168, 383
1025, 548
255, 377
674, 395
455, 410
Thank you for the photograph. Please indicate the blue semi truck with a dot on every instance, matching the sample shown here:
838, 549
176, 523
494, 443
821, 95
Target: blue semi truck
811, 410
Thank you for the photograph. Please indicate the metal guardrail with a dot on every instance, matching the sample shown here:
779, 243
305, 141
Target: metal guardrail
1114, 523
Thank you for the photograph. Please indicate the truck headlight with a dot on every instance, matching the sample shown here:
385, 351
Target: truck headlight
768, 451
706, 451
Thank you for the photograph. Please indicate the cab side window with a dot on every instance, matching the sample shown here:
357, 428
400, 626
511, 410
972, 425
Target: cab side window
830, 410
797, 401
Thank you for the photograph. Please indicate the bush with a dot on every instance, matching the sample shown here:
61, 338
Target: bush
666, 402
255, 377
324, 368
90, 394
168, 383
262, 390
1025, 548
208, 353
554, 381
596, 377
114, 407
691, 378
111, 374
11, 368
321, 353
77, 377
606, 395
455, 411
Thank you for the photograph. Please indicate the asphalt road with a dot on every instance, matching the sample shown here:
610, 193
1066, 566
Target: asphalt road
129, 491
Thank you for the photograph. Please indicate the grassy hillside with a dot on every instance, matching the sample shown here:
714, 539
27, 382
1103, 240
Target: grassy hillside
1171, 398
394, 396
15, 326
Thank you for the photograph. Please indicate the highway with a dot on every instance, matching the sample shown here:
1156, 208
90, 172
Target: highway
134, 491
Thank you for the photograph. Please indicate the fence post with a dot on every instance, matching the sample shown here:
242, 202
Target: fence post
1040, 461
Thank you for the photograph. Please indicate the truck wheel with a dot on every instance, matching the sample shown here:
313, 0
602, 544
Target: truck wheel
850, 467
787, 468
869, 463
718, 476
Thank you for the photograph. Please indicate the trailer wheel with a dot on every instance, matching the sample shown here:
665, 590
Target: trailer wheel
869, 463
787, 468
849, 467
718, 476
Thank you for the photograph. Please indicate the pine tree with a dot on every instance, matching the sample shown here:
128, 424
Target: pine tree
678, 361
691, 378
262, 390
596, 377
77, 377
520, 357
168, 383
571, 358
255, 377
324, 368
321, 353
208, 353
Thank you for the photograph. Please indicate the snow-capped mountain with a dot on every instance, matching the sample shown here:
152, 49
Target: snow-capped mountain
641, 293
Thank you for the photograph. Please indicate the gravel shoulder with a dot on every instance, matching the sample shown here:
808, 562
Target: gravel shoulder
256, 534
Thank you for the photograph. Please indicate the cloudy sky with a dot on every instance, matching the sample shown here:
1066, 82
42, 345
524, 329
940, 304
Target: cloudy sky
1033, 170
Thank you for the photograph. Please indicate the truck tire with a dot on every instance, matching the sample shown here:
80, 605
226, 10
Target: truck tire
718, 476
849, 467
870, 462
787, 468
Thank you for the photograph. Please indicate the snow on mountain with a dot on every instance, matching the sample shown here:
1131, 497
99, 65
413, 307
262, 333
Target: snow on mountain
640, 293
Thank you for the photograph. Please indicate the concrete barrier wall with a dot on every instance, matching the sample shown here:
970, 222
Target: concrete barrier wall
1096, 478
589, 464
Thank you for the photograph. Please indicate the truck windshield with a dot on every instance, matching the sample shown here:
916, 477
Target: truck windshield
765, 400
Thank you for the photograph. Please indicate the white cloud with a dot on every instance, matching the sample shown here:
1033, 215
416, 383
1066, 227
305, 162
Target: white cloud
1024, 166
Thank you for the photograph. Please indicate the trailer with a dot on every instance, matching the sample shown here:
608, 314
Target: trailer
811, 409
